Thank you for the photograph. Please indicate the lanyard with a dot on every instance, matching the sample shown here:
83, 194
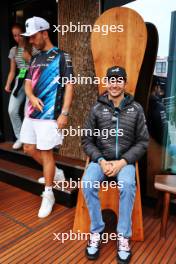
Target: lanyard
22, 73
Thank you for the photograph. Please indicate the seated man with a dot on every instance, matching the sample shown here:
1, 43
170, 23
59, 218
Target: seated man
114, 156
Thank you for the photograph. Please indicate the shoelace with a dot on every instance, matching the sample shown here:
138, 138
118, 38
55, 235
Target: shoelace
94, 240
124, 244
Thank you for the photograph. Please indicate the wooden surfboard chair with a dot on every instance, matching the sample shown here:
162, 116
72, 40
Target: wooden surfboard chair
124, 49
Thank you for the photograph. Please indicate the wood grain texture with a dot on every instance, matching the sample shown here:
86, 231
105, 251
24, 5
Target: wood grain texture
124, 49
78, 45
27, 239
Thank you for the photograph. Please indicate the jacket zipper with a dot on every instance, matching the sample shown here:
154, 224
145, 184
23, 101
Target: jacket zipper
117, 138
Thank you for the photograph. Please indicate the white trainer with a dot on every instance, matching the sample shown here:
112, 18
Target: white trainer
59, 176
17, 144
46, 207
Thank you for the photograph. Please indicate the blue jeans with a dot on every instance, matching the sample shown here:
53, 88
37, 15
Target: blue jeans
127, 195
14, 110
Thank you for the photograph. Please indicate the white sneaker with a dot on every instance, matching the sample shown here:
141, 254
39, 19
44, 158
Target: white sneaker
17, 144
46, 205
59, 176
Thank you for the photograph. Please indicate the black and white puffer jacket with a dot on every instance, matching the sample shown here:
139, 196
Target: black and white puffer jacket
115, 133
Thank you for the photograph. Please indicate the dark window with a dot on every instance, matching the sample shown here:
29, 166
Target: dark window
161, 67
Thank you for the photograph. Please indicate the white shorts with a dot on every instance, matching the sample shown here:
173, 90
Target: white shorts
43, 133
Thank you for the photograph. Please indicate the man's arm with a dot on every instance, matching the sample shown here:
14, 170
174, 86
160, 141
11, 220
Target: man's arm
68, 98
66, 71
89, 145
142, 139
88, 139
36, 102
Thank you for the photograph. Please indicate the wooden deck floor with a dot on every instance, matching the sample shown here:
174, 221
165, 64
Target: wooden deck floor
24, 238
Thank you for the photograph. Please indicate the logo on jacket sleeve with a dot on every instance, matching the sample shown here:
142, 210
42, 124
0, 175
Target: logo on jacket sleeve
131, 110
105, 112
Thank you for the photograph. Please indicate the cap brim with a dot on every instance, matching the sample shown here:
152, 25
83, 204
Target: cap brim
29, 34
114, 75
32, 33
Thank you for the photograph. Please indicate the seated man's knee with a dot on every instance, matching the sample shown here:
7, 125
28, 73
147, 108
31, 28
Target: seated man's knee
128, 184
91, 178
92, 172
127, 177
87, 183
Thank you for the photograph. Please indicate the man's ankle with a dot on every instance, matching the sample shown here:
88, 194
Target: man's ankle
48, 189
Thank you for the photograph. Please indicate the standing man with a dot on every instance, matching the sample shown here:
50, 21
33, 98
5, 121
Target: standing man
114, 156
49, 105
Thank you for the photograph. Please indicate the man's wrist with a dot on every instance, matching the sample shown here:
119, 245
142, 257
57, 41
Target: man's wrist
100, 160
31, 96
65, 113
123, 162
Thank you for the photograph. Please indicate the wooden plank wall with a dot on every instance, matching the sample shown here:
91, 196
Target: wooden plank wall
78, 45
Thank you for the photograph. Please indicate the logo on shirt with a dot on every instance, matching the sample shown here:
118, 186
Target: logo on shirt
51, 58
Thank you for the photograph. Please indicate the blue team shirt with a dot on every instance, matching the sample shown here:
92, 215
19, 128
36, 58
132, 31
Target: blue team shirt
46, 73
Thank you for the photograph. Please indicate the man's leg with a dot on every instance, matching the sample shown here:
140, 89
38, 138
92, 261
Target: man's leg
93, 174
93, 177
126, 176
46, 159
48, 172
48, 166
47, 138
127, 196
31, 150
36, 154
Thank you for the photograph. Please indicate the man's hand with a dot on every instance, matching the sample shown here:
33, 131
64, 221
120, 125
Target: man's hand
106, 166
62, 121
7, 89
36, 103
117, 165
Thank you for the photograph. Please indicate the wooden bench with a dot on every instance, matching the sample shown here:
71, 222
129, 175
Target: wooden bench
165, 184
109, 200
